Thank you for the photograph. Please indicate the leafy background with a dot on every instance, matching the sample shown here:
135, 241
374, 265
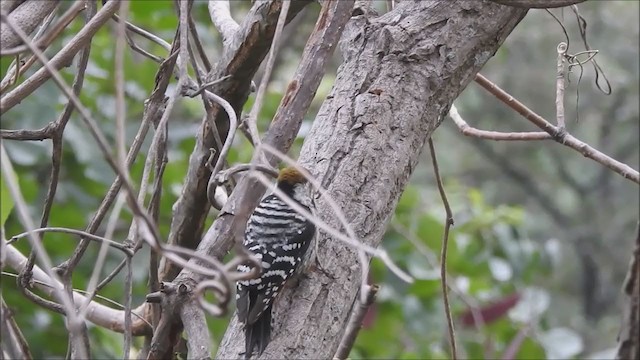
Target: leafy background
546, 287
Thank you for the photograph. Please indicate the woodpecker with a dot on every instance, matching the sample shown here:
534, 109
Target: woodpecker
278, 236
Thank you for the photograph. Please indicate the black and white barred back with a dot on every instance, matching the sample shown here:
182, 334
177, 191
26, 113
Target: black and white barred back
279, 237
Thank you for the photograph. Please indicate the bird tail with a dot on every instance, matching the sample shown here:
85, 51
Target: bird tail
257, 334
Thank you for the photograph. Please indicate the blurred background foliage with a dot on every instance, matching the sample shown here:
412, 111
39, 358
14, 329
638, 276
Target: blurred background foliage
542, 235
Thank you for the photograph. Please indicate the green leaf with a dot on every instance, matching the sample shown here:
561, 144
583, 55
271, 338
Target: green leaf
408, 201
531, 350
6, 201
425, 289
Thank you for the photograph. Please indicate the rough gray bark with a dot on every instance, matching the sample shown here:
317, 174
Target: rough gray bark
27, 16
401, 72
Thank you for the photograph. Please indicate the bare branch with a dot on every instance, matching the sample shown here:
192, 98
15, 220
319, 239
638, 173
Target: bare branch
86, 235
62, 58
443, 252
119, 84
251, 121
222, 20
73, 323
225, 175
538, 4
27, 16
467, 130
233, 126
560, 79
198, 338
97, 313
13, 345
562, 137
37, 37
355, 322
240, 59
45, 37
93, 128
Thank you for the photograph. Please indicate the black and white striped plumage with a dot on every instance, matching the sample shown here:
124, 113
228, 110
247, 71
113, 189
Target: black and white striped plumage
279, 237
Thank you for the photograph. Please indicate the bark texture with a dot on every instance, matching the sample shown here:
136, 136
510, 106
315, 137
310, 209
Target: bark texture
400, 74
27, 16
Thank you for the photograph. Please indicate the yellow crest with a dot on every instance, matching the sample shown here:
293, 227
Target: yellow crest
291, 175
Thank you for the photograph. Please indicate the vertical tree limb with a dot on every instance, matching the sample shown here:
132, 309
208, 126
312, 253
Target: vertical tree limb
240, 59
400, 74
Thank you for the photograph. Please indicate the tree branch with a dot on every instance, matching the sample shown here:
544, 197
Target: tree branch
63, 57
557, 133
240, 59
467, 130
27, 16
355, 322
221, 18
443, 252
537, 4
365, 142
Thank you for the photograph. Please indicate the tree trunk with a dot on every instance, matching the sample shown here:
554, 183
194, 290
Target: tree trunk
401, 72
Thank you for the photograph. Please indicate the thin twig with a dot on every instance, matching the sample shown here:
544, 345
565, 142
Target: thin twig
222, 20
84, 234
147, 35
45, 36
233, 126
198, 45
538, 4
251, 121
128, 328
79, 41
111, 194
121, 106
585, 149
355, 322
57, 131
467, 130
98, 314
432, 260
93, 286
14, 345
89, 121
25, 218
224, 176
443, 253
240, 59
560, 78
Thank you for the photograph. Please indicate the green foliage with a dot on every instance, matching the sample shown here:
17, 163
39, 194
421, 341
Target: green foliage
489, 260
6, 205
491, 254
